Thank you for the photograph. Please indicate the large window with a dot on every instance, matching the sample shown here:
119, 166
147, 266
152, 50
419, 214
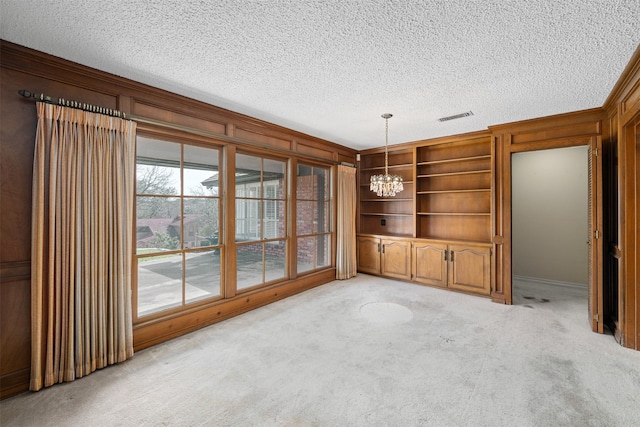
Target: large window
313, 217
177, 225
260, 220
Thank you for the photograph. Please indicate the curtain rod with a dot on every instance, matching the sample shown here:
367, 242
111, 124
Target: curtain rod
72, 104
117, 113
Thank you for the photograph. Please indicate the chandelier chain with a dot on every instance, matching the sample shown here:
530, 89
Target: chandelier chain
386, 146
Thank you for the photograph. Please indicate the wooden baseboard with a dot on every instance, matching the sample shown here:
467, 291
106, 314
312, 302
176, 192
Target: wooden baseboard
541, 281
14, 383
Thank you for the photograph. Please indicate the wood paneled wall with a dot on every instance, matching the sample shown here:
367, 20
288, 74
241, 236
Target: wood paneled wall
37, 72
622, 137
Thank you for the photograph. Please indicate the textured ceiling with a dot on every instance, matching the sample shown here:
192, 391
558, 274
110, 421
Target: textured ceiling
331, 68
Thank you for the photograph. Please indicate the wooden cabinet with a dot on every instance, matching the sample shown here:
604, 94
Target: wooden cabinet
470, 268
386, 257
429, 264
454, 265
391, 216
395, 259
368, 250
464, 267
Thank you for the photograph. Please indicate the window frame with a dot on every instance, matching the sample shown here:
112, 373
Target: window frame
264, 240
327, 234
216, 247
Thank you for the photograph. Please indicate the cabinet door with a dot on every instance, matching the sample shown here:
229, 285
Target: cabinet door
369, 255
429, 263
469, 268
396, 259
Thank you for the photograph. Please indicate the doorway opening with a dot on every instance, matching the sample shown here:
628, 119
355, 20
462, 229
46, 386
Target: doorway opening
550, 225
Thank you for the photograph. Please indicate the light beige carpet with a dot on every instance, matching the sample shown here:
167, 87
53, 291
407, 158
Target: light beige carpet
366, 352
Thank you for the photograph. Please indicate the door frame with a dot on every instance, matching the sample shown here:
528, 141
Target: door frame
585, 132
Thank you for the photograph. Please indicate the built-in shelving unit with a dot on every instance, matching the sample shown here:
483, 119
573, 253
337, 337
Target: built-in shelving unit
438, 231
453, 190
391, 216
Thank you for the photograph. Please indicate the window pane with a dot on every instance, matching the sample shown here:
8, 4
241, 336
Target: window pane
304, 183
249, 265
304, 217
303, 173
322, 189
273, 222
159, 283
247, 220
157, 224
273, 179
306, 254
157, 167
172, 214
200, 171
323, 251
202, 275
275, 256
200, 222
323, 217
248, 176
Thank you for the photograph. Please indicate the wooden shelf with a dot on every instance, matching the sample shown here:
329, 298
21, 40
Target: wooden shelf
403, 182
474, 190
376, 168
392, 199
383, 235
384, 214
455, 213
454, 173
454, 160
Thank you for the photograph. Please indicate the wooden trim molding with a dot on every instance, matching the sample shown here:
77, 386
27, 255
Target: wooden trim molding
630, 232
584, 122
14, 383
406, 146
621, 92
498, 194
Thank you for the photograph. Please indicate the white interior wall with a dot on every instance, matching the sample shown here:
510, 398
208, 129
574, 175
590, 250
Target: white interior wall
549, 214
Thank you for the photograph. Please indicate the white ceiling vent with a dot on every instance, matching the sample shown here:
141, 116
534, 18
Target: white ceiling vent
457, 116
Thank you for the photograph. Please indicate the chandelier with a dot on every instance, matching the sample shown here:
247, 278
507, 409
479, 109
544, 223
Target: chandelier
386, 185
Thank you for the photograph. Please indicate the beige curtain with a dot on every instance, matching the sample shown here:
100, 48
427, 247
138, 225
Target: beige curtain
82, 230
346, 266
